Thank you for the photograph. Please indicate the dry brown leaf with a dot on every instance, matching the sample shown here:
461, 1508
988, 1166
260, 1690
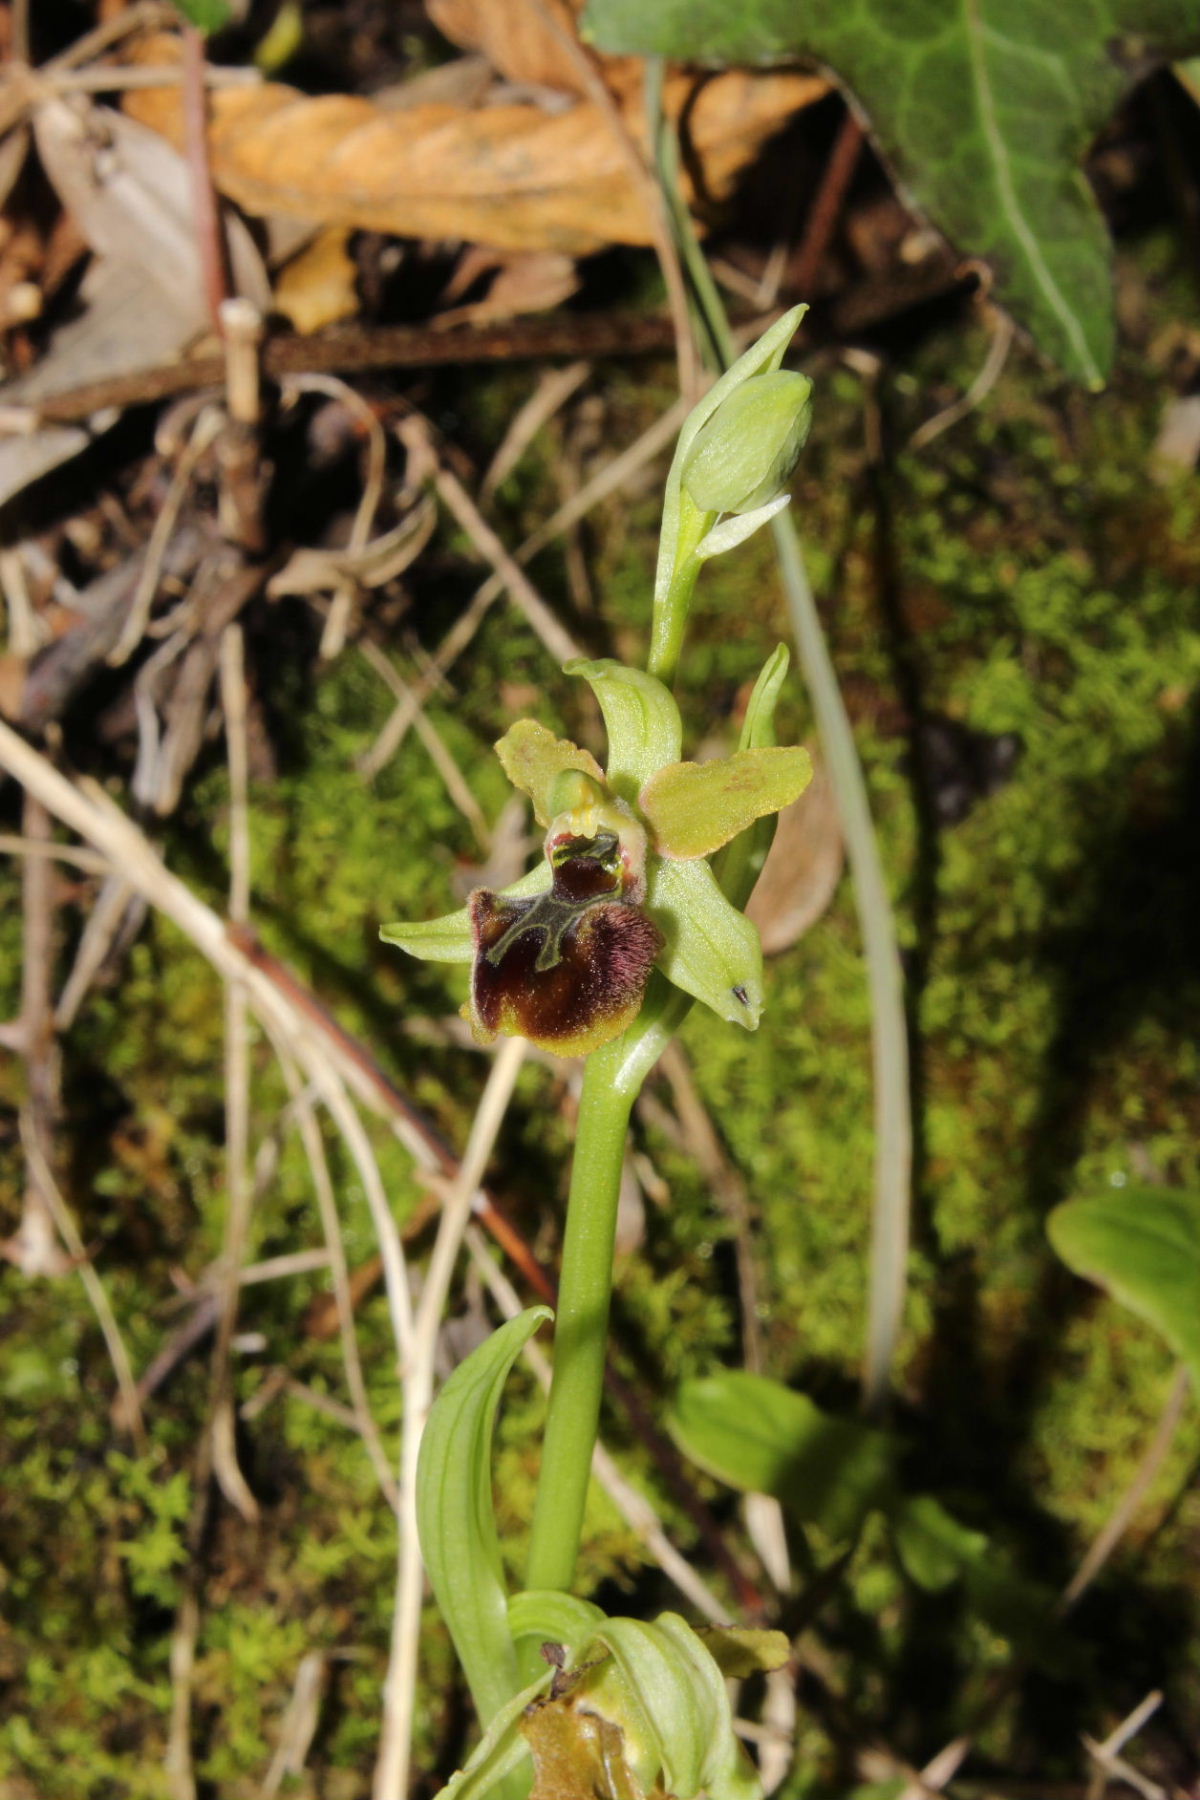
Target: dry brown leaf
802, 870
523, 281
512, 176
319, 286
515, 38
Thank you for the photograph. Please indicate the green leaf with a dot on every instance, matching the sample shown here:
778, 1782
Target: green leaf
933, 1547
455, 1517
668, 1695
207, 15
695, 808
740, 1651
640, 717
554, 1618
1143, 1245
499, 1753
764, 1438
710, 950
984, 107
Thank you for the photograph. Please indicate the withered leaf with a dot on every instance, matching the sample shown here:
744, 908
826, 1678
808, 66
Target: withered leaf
519, 43
802, 869
511, 175
577, 1755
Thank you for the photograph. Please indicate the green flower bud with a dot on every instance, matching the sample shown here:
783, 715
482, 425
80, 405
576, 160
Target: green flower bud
744, 456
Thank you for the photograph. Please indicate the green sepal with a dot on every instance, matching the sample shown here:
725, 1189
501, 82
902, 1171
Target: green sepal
534, 759
694, 808
455, 1518
745, 454
740, 863
450, 939
711, 950
640, 717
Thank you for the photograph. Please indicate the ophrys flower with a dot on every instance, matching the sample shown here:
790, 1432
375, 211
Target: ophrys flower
562, 956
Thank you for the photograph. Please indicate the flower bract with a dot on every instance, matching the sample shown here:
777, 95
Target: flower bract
562, 956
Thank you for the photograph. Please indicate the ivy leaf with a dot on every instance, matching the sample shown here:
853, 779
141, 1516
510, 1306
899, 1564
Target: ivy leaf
985, 108
455, 1517
764, 1438
1143, 1245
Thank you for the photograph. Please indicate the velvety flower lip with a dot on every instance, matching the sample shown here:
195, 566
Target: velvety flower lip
566, 969
563, 956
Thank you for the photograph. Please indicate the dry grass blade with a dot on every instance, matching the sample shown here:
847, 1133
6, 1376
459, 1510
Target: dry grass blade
400, 1688
339, 1274
1123, 1513
452, 776
622, 468
453, 495
238, 1187
204, 434
93, 1287
552, 392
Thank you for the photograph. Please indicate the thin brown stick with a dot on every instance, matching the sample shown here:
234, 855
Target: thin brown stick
238, 1187
831, 196
358, 349
210, 235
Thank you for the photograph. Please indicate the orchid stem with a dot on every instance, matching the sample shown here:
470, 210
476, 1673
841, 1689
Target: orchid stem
581, 1327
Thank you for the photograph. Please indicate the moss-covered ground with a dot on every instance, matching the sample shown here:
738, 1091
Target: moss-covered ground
1025, 590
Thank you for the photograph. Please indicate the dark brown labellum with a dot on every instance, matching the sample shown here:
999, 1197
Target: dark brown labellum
566, 969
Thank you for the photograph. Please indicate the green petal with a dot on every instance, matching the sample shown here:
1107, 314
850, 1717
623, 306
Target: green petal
739, 864
758, 727
450, 938
694, 808
641, 718
533, 759
712, 951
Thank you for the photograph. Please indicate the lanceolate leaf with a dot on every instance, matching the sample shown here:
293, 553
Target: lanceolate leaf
1143, 1245
455, 1517
985, 108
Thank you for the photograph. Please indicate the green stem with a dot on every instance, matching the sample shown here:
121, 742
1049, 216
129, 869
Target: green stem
581, 1322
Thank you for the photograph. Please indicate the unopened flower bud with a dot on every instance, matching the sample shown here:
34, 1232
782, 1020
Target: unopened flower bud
745, 454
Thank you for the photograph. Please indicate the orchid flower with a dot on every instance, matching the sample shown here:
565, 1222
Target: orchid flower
562, 957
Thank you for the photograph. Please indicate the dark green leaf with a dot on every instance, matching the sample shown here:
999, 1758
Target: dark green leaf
1143, 1245
985, 108
455, 1517
761, 1437
933, 1547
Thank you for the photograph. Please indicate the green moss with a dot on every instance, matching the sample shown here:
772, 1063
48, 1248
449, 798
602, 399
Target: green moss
1041, 585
